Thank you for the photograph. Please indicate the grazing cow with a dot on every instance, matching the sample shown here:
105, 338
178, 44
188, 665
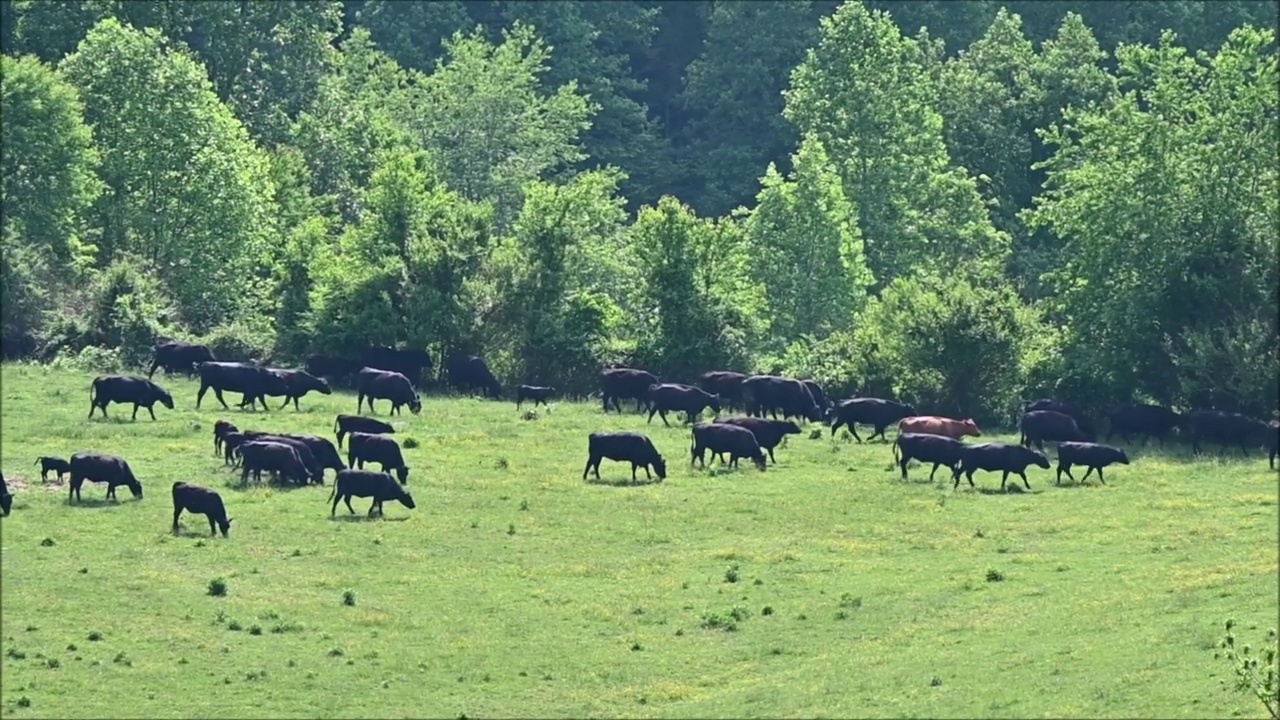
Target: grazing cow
309, 460
96, 467
875, 412
1144, 420
536, 393
365, 447
469, 373
181, 357
629, 447
1082, 421
250, 380
413, 364
220, 430
1273, 443
769, 433
231, 443
771, 394
1224, 428
367, 483
52, 464
928, 448
998, 456
625, 383
107, 389
728, 385
671, 397
6, 497
721, 438
325, 454
1040, 425
1091, 455
200, 501
819, 396
385, 385
297, 383
275, 456
345, 424
935, 425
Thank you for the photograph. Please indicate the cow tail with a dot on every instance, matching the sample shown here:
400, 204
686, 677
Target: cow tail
93, 391
896, 441
335, 426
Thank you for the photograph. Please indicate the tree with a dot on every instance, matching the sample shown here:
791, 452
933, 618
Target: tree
413, 33
50, 29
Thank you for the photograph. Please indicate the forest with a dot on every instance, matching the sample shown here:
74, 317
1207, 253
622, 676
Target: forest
958, 205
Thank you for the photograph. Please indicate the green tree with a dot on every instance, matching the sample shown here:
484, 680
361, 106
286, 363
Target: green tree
50, 29
413, 33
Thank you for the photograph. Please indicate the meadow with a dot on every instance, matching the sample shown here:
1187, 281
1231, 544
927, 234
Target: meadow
823, 587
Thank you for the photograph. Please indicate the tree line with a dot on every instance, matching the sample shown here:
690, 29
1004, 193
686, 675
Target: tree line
955, 204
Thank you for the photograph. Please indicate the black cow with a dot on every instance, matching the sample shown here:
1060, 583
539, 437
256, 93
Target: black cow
275, 456
377, 384
250, 380
771, 394
1144, 420
876, 412
200, 501
671, 397
1040, 425
6, 497
96, 467
366, 447
629, 447
52, 464
231, 442
297, 383
181, 357
1091, 455
331, 366
625, 383
1083, 422
536, 393
998, 456
469, 373
325, 454
726, 384
1273, 443
344, 424
768, 432
819, 396
107, 389
720, 438
412, 364
220, 430
315, 469
926, 448
1224, 428
366, 483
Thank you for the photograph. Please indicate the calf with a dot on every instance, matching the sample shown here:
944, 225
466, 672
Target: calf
141, 392
769, 433
277, 457
52, 464
180, 357
200, 501
345, 424
385, 385
875, 412
671, 397
625, 447
6, 498
1224, 428
96, 467
935, 425
998, 456
220, 430
624, 383
365, 447
536, 393
1143, 420
928, 448
366, 483
1091, 455
738, 442
1040, 425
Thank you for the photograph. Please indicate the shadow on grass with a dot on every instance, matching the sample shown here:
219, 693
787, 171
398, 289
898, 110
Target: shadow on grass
625, 482
93, 503
360, 517
193, 534
1010, 489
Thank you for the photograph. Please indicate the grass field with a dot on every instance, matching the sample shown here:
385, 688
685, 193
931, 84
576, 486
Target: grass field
824, 587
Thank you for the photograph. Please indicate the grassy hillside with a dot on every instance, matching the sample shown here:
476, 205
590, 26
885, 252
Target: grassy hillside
822, 587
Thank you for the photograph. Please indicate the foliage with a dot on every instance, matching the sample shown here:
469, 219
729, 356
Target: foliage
1255, 674
23, 297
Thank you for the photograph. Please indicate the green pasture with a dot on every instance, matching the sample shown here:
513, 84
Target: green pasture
824, 587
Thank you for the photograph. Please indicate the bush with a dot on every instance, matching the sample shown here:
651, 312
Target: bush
24, 299
238, 341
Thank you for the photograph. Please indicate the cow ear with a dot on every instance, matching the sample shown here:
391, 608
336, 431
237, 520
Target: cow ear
229, 520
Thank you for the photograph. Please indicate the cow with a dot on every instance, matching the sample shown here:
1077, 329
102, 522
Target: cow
231, 442
469, 372
413, 364
52, 464
1273, 443
1091, 455
274, 456
769, 433
625, 383
876, 412
377, 384
728, 385
325, 454
536, 393
1224, 428
771, 394
220, 430
365, 447
998, 456
629, 447
107, 389
245, 378
1040, 425
936, 425
671, 397
315, 469
200, 501
1082, 421
180, 357
331, 366
297, 383
1144, 420
819, 396
367, 483
6, 497
928, 448
97, 467
721, 438
345, 424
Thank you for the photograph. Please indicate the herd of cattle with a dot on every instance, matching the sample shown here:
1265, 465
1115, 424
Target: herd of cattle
303, 459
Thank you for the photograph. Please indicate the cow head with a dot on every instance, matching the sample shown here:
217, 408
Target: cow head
814, 413
1038, 459
787, 427
165, 398
660, 467
317, 384
759, 461
407, 500
1122, 457
969, 427
402, 474
910, 410
415, 405
224, 526
135, 487
714, 403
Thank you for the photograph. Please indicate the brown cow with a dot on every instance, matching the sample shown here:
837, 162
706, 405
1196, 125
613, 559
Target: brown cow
935, 425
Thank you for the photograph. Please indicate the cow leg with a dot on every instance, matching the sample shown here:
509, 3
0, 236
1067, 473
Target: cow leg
92, 406
217, 392
151, 409
663, 415
647, 476
771, 458
1004, 478
285, 404
336, 498
152, 371
1100, 477
853, 430
176, 512
633, 474
652, 412
1023, 474
347, 498
638, 403
213, 529
135, 413
931, 472
200, 394
375, 412
587, 469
